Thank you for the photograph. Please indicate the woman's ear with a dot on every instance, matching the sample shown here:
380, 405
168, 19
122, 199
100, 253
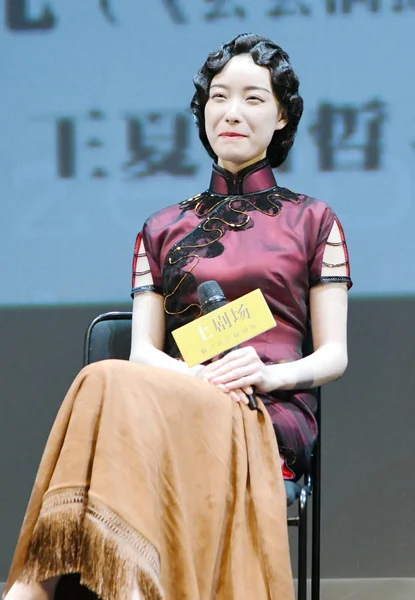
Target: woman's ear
281, 121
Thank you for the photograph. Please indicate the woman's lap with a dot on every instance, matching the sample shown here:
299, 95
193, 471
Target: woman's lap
139, 453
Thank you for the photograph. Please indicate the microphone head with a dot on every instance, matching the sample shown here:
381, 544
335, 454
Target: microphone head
210, 295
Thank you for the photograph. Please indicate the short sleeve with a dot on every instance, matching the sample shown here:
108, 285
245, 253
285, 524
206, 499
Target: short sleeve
146, 275
330, 262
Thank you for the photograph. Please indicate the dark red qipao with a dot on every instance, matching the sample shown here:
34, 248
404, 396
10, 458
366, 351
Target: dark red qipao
246, 232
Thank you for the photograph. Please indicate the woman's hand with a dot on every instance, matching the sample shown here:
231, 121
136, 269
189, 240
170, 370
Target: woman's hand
239, 370
237, 395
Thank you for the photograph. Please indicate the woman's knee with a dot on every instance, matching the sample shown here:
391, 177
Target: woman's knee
105, 367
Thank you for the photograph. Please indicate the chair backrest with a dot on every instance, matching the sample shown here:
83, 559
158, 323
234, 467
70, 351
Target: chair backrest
108, 336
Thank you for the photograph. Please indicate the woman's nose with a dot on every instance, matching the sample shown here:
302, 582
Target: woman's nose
232, 119
233, 113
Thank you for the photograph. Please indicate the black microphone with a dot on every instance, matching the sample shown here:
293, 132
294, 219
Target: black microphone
212, 297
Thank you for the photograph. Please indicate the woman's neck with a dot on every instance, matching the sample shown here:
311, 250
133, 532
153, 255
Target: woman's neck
235, 168
256, 177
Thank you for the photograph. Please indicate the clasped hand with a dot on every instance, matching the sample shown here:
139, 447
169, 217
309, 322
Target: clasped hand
237, 372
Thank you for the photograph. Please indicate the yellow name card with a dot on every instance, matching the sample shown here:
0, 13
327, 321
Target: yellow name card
224, 328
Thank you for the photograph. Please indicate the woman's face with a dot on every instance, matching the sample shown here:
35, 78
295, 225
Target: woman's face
241, 113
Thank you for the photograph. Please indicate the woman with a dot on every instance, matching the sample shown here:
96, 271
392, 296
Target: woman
157, 480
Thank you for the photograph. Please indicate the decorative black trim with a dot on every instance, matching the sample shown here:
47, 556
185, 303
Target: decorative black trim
204, 204
332, 279
146, 288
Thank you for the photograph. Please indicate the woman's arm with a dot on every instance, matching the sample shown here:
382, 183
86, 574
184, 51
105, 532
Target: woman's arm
147, 335
148, 328
328, 311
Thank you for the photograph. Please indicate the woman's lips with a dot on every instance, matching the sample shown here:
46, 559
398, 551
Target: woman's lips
231, 134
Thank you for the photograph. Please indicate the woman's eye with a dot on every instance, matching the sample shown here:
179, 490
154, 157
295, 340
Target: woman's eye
255, 98
218, 95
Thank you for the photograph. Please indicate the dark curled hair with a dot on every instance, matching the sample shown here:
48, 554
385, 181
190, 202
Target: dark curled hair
284, 84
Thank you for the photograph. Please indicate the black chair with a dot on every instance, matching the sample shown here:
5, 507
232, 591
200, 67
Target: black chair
109, 336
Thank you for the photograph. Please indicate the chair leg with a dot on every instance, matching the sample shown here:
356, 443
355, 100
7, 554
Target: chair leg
316, 541
302, 545
316, 515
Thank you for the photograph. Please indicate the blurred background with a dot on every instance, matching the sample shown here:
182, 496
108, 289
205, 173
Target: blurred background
96, 135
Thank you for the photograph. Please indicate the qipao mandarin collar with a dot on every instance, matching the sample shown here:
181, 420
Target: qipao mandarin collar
257, 177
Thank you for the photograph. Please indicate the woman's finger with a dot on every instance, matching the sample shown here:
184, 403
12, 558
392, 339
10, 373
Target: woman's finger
238, 396
222, 388
248, 389
221, 368
234, 396
242, 396
229, 358
241, 383
234, 374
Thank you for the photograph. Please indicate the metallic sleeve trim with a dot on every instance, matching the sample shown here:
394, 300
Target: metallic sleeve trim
332, 265
346, 252
138, 273
332, 279
146, 288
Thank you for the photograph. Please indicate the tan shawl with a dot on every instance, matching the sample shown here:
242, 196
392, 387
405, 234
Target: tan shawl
152, 475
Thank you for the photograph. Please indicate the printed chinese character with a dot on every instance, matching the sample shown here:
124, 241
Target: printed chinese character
223, 9
284, 8
105, 6
159, 143
349, 137
346, 6
65, 148
204, 332
175, 11
222, 322
240, 314
67, 134
18, 17
401, 5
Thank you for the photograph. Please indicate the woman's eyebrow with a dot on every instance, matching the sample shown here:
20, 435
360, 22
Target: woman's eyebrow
256, 87
246, 88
